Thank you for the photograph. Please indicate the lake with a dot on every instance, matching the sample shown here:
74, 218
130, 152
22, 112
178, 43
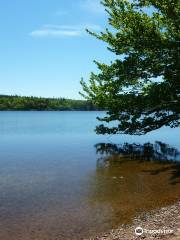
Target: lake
61, 181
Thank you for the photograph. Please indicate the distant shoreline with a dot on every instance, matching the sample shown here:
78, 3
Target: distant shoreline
23, 103
34, 110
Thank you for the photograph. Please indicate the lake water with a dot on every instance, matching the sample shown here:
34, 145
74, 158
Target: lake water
61, 181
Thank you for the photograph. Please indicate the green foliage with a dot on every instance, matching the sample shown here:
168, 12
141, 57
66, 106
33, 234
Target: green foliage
41, 104
141, 88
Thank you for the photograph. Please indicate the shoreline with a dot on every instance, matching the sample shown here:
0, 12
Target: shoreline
162, 223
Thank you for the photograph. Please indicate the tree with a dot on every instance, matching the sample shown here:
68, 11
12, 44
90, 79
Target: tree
141, 88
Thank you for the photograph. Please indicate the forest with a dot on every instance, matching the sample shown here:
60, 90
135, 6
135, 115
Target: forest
20, 103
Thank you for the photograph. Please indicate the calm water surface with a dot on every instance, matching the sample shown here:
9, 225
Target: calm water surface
60, 181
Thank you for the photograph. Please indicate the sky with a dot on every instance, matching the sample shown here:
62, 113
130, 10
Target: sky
45, 49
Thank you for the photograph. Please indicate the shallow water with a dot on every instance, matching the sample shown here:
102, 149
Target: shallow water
59, 180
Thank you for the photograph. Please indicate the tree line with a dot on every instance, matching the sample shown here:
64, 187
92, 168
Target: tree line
8, 102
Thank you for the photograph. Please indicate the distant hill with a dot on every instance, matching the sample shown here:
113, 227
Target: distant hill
18, 103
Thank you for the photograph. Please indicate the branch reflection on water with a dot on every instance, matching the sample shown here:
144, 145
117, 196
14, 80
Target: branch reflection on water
159, 152
148, 151
131, 177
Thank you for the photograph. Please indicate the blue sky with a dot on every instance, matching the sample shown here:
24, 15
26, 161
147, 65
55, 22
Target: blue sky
44, 48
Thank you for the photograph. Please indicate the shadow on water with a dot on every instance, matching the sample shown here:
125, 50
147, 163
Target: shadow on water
157, 152
175, 170
133, 178
148, 151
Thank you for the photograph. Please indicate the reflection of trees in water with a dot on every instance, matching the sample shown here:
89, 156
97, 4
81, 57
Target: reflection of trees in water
159, 152
148, 151
127, 180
